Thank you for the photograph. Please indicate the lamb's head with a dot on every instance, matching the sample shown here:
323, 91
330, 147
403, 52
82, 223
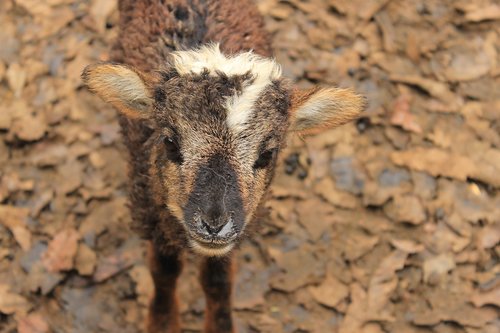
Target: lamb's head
219, 123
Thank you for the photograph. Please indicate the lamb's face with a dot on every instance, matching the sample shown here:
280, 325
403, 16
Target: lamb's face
216, 151
219, 124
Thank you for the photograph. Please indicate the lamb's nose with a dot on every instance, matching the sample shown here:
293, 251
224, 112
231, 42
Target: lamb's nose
221, 227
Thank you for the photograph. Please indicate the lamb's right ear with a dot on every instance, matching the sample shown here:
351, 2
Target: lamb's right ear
124, 88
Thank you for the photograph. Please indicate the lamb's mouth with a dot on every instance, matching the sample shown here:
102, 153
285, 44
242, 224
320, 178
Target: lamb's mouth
211, 249
213, 242
212, 245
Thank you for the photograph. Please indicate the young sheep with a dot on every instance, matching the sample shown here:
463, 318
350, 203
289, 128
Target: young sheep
204, 112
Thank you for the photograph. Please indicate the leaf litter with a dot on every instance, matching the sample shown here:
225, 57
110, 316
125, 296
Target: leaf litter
388, 224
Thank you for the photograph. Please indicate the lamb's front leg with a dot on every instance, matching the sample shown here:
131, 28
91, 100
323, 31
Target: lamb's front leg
163, 314
216, 280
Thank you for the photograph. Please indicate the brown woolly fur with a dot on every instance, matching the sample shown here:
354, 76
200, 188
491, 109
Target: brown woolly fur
164, 308
204, 113
216, 278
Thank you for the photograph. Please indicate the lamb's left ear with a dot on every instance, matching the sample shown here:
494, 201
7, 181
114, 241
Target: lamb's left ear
322, 108
121, 86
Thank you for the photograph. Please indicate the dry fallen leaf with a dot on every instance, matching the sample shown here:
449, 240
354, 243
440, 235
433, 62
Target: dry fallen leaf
33, 323
436, 162
326, 189
488, 237
314, 217
407, 245
61, 252
298, 268
388, 32
100, 10
70, 175
366, 9
251, 287
29, 128
355, 317
16, 77
67, 154
434, 88
14, 218
470, 62
85, 260
11, 302
2, 70
402, 116
382, 284
491, 297
357, 243
446, 305
490, 12
436, 266
406, 208
144, 286
115, 263
330, 292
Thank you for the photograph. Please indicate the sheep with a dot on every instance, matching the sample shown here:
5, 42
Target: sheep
204, 112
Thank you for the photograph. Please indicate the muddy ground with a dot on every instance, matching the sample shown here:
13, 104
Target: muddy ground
388, 224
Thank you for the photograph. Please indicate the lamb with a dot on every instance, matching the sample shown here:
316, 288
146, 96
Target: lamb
204, 112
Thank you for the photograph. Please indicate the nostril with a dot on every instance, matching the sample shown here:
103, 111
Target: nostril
212, 230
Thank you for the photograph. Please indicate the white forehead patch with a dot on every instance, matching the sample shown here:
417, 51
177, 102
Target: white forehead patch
209, 57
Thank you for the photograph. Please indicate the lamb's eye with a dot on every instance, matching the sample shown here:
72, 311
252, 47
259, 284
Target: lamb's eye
172, 150
264, 159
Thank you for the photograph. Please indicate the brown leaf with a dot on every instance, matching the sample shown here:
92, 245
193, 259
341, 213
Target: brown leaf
405, 208
487, 298
102, 216
436, 266
452, 306
266, 323
70, 176
42, 200
487, 166
326, 189
357, 243
85, 260
436, 162
436, 89
330, 292
490, 12
407, 245
50, 155
100, 10
2, 70
402, 116
251, 286
144, 286
388, 32
61, 252
314, 216
382, 284
33, 323
366, 9
11, 303
115, 263
356, 312
14, 219
29, 128
34, 7
470, 61
489, 236
16, 78
298, 268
